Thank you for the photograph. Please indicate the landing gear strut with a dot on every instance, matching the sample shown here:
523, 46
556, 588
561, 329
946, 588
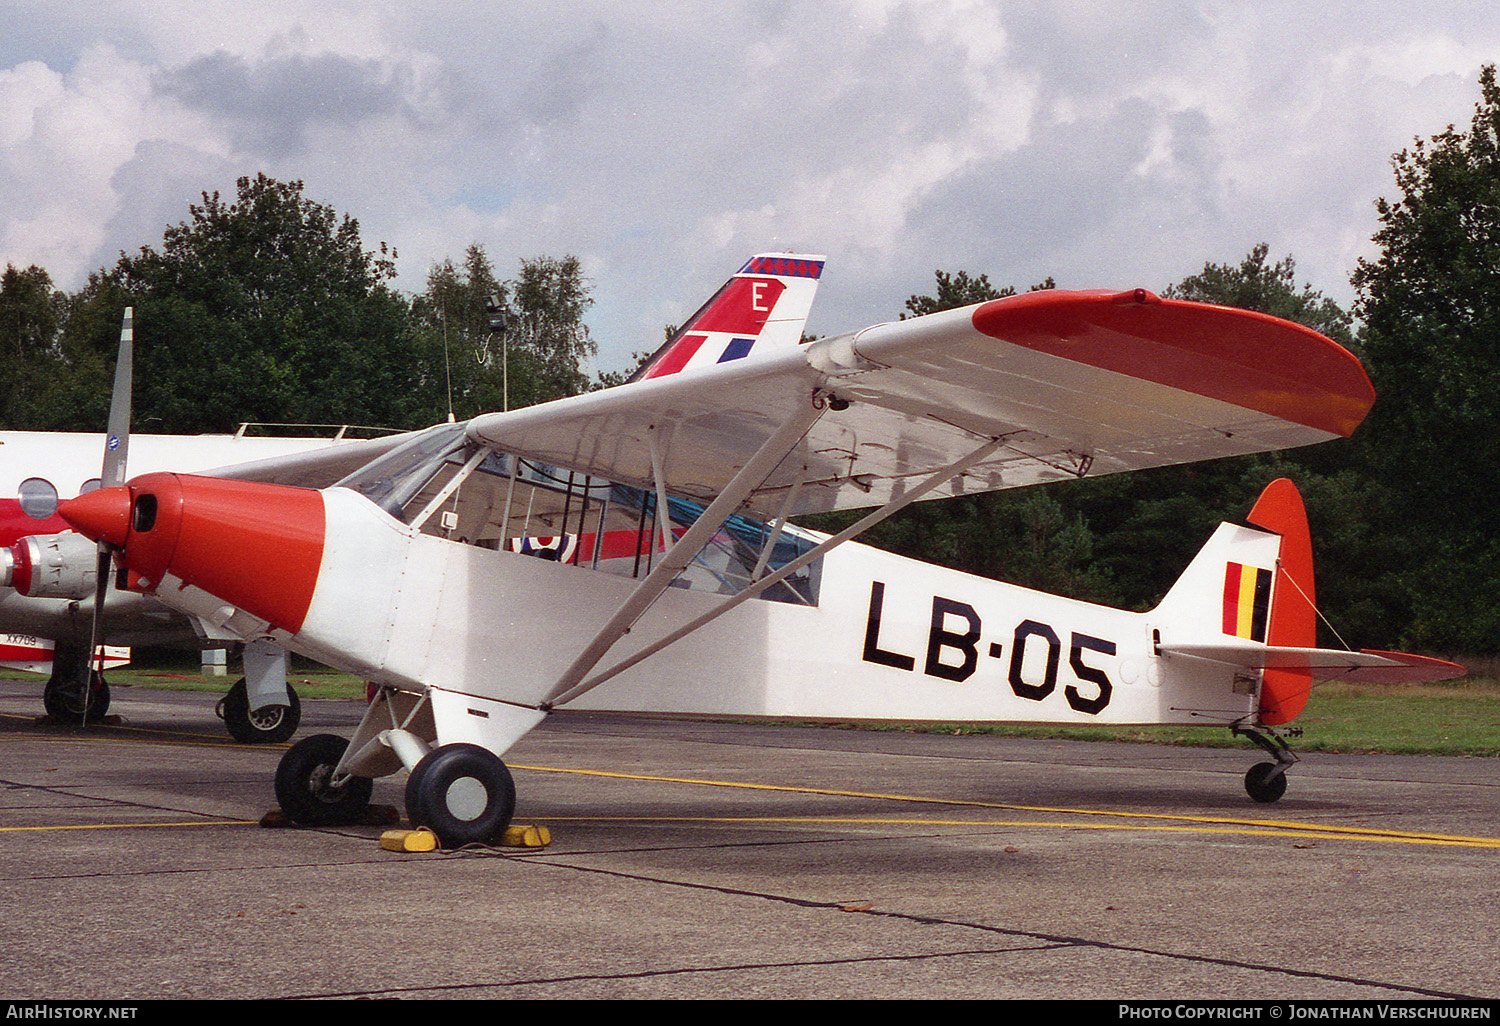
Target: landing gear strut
1266, 781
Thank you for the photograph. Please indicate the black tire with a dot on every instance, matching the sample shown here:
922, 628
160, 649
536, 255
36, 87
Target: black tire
63, 699
1263, 783
271, 725
302, 784
462, 793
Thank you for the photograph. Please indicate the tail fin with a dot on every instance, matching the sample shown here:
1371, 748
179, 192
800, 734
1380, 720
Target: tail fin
764, 304
1247, 600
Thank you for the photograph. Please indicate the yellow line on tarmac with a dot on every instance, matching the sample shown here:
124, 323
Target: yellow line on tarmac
1218, 824
1308, 833
123, 733
130, 826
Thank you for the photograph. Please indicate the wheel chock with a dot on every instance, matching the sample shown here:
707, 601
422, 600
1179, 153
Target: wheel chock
526, 837
420, 839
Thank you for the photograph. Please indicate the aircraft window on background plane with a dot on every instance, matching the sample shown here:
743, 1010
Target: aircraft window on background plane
91, 485
38, 498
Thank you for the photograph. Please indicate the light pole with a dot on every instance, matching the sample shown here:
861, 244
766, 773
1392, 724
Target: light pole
496, 314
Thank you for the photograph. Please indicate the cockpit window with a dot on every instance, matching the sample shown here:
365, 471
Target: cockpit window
392, 481
439, 484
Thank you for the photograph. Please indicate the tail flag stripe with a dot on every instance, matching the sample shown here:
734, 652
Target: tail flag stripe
783, 266
1247, 601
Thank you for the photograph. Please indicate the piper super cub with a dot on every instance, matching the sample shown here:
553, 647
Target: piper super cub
637, 541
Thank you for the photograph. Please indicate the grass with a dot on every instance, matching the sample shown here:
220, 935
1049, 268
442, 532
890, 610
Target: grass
1460, 718
309, 683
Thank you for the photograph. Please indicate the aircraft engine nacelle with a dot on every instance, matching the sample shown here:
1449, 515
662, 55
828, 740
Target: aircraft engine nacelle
63, 566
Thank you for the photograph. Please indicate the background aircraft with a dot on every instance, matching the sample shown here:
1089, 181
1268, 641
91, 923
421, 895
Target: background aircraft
663, 507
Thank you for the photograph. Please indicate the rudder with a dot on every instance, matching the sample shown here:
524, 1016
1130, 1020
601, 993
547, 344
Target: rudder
1293, 614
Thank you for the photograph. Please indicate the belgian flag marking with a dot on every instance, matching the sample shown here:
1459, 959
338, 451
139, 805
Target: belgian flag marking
1247, 601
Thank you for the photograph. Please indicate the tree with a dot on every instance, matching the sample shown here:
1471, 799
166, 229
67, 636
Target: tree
535, 357
31, 319
1024, 537
958, 290
1431, 309
271, 300
550, 298
453, 318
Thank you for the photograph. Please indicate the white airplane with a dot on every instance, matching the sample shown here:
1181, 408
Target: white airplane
49, 573
418, 571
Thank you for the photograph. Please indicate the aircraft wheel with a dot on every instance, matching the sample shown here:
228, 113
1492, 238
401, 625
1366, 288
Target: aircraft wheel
63, 699
270, 725
1264, 784
303, 788
463, 793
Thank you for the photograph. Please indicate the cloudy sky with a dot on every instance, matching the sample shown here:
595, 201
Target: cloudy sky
1104, 143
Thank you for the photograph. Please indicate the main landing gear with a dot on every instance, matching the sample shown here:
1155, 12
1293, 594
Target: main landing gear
311, 791
63, 696
272, 724
1266, 781
462, 792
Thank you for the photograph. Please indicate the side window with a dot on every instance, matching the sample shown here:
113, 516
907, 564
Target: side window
38, 498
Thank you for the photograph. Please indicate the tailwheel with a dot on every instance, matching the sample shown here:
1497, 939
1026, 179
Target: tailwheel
307, 790
1266, 781
63, 698
463, 793
272, 724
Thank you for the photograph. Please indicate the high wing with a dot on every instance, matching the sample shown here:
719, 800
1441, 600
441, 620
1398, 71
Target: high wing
1072, 384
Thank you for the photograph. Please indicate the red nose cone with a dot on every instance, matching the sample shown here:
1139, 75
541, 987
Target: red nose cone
103, 514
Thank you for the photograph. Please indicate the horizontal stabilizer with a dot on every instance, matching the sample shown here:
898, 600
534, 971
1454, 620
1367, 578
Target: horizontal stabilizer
1365, 667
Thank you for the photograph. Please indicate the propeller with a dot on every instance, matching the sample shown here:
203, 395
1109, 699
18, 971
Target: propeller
111, 475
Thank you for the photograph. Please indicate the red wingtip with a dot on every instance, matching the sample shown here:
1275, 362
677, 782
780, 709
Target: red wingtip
103, 514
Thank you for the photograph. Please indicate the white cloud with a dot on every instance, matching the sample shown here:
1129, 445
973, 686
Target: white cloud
1104, 143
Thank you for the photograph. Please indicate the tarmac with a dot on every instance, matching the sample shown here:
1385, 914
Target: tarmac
731, 860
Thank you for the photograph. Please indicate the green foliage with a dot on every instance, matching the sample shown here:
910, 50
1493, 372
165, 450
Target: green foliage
270, 299
1123, 540
954, 291
1431, 307
267, 307
31, 318
535, 357
550, 298
452, 322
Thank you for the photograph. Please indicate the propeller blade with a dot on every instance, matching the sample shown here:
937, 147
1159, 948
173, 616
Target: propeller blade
111, 474
117, 441
102, 584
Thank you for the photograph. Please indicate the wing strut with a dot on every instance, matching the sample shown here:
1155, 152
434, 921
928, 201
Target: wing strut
749, 478
562, 694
